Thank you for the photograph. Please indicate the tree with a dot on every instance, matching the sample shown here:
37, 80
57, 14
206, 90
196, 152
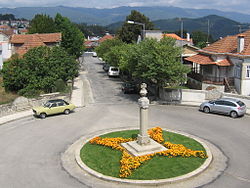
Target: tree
39, 70
42, 23
160, 62
14, 74
129, 33
150, 61
106, 45
200, 39
72, 37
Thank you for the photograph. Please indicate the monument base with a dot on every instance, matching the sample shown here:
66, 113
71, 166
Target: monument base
136, 149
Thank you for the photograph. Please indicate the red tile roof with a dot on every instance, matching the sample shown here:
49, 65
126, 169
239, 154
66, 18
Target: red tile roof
173, 35
207, 60
29, 41
201, 59
47, 37
106, 37
228, 45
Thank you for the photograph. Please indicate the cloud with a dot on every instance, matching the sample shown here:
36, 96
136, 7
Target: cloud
226, 5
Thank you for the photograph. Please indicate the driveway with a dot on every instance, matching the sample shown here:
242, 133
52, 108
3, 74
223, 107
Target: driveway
31, 148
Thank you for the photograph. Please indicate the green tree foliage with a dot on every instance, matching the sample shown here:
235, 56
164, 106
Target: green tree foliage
72, 37
7, 17
129, 32
106, 45
42, 24
150, 61
39, 70
200, 39
14, 74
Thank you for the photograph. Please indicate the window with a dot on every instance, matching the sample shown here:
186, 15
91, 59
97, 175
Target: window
53, 105
220, 102
240, 103
227, 103
60, 104
237, 71
248, 71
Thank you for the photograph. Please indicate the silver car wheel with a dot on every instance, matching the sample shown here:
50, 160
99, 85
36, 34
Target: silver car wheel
66, 111
233, 114
206, 109
43, 115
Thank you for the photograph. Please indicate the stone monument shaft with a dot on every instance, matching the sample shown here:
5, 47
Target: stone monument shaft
143, 138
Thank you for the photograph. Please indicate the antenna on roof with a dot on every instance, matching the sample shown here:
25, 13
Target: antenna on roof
208, 31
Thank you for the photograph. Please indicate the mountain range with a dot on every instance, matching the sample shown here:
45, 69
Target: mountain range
217, 26
108, 16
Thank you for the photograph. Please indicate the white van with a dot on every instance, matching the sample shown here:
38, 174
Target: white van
113, 71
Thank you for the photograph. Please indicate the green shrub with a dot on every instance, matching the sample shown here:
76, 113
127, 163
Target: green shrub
60, 86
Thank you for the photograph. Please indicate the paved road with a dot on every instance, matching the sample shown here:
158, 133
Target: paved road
31, 148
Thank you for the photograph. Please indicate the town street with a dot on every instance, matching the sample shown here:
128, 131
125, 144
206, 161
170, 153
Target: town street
31, 148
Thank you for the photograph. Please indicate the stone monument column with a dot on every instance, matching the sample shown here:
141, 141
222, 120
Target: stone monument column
144, 144
143, 138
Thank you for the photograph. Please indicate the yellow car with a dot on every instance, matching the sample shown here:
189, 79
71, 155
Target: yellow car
51, 107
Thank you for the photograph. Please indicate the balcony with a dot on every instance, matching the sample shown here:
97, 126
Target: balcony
210, 79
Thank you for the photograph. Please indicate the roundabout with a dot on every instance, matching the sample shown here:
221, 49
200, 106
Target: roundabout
207, 172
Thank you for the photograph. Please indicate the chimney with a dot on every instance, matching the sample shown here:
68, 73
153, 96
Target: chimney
188, 37
241, 43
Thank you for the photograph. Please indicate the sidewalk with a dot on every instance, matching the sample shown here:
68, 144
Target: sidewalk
77, 98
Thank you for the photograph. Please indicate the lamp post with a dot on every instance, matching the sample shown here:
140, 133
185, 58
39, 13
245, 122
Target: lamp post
138, 23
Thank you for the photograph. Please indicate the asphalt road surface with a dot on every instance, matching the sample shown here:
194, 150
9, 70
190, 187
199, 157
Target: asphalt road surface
31, 148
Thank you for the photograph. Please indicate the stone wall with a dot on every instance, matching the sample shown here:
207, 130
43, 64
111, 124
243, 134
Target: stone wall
22, 103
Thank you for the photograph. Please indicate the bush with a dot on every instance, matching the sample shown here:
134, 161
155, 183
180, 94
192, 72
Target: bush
29, 92
60, 86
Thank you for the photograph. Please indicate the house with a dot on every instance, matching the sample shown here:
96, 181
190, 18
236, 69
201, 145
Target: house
22, 43
93, 42
106, 37
225, 63
5, 47
188, 49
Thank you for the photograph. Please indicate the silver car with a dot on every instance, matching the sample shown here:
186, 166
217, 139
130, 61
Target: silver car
229, 106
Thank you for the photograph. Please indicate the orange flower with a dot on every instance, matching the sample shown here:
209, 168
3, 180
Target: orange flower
129, 162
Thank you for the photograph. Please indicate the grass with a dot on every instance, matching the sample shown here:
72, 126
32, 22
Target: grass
106, 161
6, 97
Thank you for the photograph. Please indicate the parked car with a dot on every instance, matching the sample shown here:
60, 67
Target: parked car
105, 67
51, 107
228, 106
94, 54
130, 88
113, 71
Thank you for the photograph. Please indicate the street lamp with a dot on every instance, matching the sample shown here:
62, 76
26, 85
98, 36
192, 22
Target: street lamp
138, 23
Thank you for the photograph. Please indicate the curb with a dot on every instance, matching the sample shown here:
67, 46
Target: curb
190, 104
198, 177
12, 117
197, 171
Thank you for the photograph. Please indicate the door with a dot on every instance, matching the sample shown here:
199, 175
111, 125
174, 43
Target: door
219, 106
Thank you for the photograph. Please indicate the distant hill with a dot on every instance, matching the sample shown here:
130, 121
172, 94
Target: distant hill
108, 16
218, 26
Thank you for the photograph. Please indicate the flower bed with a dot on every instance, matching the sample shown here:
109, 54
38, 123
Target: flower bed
128, 163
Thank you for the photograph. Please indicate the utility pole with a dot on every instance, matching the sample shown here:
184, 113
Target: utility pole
208, 31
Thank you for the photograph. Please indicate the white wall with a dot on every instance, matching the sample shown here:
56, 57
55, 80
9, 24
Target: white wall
6, 50
191, 95
196, 97
245, 85
1, 57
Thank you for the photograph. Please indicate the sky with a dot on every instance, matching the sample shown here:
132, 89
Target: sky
242, 6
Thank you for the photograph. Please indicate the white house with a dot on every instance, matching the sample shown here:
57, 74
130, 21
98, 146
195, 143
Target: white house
225, 63
5, 48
